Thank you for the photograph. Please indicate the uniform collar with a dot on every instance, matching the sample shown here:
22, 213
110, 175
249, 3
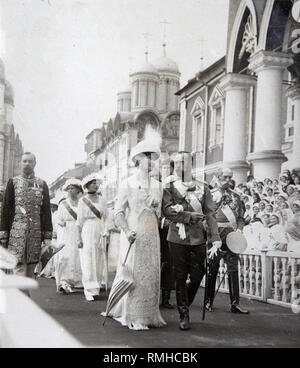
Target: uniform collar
30, 176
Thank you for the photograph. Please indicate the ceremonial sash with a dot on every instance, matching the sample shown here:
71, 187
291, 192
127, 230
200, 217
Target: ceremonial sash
92, 207
230, 216
189, 196
70, 210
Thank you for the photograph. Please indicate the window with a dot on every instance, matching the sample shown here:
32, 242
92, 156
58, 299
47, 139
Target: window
216, 105
289, 126
198, 113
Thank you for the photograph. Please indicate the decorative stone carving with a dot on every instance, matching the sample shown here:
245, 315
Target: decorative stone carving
293, 92
249, 40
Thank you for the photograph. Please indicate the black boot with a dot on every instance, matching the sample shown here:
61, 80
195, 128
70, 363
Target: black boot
234, 292
165, 299
183, 309
238, 309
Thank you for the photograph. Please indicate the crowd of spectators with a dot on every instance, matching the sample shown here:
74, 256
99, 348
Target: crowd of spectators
272, 216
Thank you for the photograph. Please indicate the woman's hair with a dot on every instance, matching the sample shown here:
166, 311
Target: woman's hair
257, 196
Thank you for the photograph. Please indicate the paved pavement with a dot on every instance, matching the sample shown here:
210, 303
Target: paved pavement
266, 326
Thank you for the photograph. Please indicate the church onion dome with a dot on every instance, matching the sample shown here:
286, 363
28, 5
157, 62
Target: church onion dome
8, 93
145, 68
165, 64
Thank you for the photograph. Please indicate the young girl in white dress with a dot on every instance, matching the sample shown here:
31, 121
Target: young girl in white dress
67, 268
91, 229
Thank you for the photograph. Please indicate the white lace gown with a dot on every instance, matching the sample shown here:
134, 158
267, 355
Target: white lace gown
91, 254
139, 308
67, 262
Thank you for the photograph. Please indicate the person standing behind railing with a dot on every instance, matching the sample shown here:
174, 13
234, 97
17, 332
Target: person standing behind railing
293, 228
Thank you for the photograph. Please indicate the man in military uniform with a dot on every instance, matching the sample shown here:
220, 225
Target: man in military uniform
230, 212
26, 217
186, 203
167, 283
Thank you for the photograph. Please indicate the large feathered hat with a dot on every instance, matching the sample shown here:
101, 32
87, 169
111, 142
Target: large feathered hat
151, 143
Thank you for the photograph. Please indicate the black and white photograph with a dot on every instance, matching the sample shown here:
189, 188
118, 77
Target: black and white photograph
149, 177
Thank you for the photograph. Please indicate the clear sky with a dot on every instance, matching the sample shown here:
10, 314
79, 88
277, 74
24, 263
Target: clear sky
67, 59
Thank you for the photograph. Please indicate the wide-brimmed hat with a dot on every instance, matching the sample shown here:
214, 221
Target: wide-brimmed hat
143, 147
150, 144
91, 177
236, 242
72, 181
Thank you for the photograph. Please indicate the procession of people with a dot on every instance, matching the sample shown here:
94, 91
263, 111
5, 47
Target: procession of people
173, 231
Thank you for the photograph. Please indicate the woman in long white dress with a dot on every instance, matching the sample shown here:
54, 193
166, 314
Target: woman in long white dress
67, 267
91, 226
136, 211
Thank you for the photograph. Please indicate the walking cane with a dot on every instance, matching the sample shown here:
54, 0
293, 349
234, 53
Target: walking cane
206, 263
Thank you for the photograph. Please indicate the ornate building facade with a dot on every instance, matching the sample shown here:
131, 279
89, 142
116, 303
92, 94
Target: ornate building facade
11, 148
244, 111
150, 100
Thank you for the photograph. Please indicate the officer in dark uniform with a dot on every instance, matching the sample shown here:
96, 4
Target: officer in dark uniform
186, 203
230, 217
167, 283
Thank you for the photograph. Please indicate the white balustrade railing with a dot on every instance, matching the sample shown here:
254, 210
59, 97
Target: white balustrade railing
285, 278
270, 276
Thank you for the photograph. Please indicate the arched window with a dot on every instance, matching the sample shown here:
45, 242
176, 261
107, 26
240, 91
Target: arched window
145, 119
198, 113
217, 111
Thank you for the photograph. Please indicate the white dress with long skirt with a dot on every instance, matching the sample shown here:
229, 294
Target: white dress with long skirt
67, 267
91, 254
139, 308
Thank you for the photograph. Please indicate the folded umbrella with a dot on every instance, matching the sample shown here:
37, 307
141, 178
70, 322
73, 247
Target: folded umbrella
105, 245
121, 287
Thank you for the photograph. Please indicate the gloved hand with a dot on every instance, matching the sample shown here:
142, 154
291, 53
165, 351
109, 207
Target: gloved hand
212, 252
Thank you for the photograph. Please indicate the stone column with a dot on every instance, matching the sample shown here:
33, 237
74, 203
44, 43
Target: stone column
267, 156
294, 94
236, 87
